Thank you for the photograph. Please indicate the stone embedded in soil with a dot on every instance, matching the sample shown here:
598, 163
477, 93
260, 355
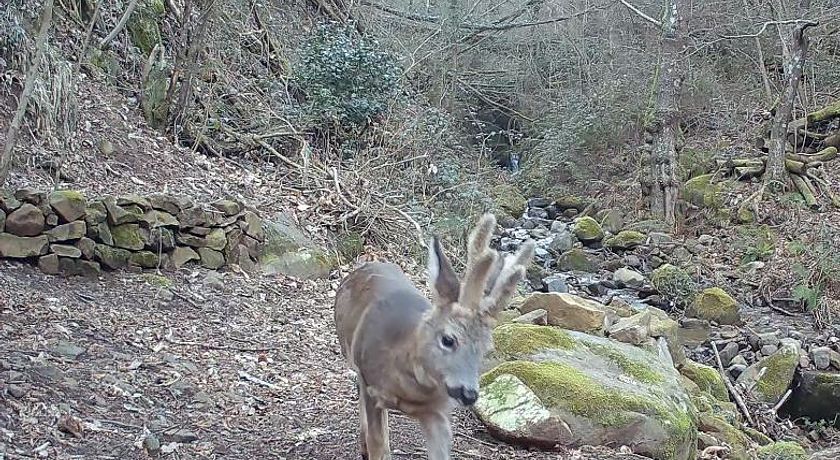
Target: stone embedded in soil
628, 277
79, 267
70, 231
183, 255
624, 240
182, 436
538, 317
67, 349
20, 247
633, 330
49, 264
144, 259
229, 207
27, 220
68, 204
816, 395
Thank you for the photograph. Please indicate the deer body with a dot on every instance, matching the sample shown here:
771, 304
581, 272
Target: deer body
417, 356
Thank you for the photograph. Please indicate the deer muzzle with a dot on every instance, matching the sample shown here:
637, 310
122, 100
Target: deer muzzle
464, 395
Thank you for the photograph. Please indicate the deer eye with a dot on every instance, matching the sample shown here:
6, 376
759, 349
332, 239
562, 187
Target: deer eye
447, 341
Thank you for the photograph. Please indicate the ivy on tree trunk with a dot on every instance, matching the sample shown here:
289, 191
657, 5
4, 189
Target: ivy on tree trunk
663, 180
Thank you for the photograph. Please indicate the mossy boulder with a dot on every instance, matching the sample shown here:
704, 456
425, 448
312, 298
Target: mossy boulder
626, 239
552, 386
288, 251
509, 199
577, 260
111, 257
575, 202
738, 442
785, 450
70, 205
707, 379
350, 246
588, 230
702, 192
771, 376
130, 236
144, 259
674, 284
714, 304
143, 25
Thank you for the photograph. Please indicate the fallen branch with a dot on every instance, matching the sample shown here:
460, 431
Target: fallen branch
826, 154
119, 27
805, 188
734, 392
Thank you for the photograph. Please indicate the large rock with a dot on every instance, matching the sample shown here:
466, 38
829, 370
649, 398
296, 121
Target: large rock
211, 259
633, 329
2, 221
628, 277
567, 310
509, 199
288, 251
588, 230
130, 236
8, 202
65, 232
816, 396
702, 192
626, 239
739, 443
183, 255
674, 284
111, 257
117, 215
27, 220
714, 304
70, 205
568, 388
155, 218
577, 260
771, 376
21, 247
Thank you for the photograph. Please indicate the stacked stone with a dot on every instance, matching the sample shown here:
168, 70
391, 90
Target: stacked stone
68, 234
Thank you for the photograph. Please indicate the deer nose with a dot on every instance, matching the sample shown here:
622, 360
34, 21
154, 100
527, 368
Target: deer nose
468, 396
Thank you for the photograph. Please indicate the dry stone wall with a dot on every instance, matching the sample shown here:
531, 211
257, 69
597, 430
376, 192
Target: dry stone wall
65, 233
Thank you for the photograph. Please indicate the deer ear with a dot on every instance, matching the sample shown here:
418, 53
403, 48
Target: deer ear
443, 282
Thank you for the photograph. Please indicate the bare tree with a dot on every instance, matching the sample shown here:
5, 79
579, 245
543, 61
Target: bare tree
662, 180
23, 102
779, 128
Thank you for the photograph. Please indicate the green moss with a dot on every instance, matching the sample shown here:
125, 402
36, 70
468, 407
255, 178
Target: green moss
707, 378
758, 437
782, 451
714, 304
701, 192
562, 386
626, 239
695, 162
780, 369
738, 442
674, 283
520, 340
350, 246
576, 260
128, 236
144, 259
509, 199
564, 202
143, 27
631, 367
157, 280
588, 229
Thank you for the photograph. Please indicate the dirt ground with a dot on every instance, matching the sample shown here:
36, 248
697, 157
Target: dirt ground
214, 367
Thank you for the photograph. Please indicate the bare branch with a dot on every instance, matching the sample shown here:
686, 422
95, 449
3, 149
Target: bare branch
641, 14
120, 25
772, 23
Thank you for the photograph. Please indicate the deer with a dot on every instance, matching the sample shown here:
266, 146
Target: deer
418, 356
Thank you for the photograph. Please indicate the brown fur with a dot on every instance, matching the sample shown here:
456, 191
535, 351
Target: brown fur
417, 356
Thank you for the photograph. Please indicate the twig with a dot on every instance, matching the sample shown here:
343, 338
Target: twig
772, 23
738, 400
258, 381
641, 14
782, 401
118, 28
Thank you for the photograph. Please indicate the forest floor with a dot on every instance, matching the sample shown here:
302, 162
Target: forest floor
199, 364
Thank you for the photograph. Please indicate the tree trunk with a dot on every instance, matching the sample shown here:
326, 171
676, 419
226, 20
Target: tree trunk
778, 130
664, 184
28, 87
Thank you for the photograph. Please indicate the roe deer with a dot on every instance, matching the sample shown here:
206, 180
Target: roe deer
420, 357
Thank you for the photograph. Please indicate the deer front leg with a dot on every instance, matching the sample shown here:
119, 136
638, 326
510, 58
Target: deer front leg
438, 434
363, 421
375, 427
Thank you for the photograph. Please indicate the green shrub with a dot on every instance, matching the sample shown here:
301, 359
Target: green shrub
348, 79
